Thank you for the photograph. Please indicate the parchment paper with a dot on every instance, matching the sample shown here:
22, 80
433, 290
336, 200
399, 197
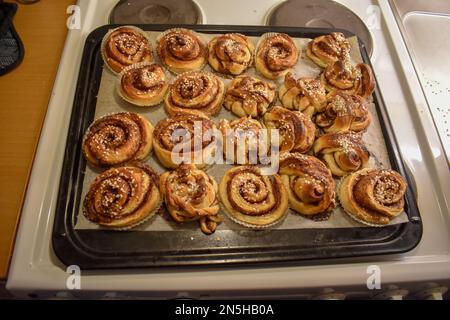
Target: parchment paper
108, 101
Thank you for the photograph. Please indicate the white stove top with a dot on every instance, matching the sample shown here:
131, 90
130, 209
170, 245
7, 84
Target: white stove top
34, 267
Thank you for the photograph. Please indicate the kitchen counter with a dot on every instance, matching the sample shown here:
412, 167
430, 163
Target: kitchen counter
24, 96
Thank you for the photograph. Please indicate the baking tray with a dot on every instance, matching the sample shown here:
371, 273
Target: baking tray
105, 249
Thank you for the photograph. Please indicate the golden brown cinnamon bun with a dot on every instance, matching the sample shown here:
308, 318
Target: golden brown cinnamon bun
247, 139
361, 114
365, 84
175, 142
182, 50
325, 50
249, 96
342, 76
343, 152
230, 53
194, 92
125, 46
118, 138
308, 182
338, 115
276, 55
305, 94
123, 196
373, 196
296, 131
344, 112
252, 199
190, 194
143, 84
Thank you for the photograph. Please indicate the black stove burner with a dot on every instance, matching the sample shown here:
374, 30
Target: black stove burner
156, 12
320, 13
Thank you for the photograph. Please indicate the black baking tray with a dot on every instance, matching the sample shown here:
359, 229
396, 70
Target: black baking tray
104, 249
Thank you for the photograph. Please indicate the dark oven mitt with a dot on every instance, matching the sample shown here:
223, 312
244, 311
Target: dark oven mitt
11, 47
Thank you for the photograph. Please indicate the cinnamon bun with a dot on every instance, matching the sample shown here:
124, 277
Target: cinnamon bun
344, 112
361, 114
190, 194
143, 84
249, 96
308, 182
230, 53
326, 49
342, 76
125, 46
194, 92
175, 142
247, 139
373, 196
296, 130
123, 196
343, 152
252, 199
181, 50
118, 138
276, 55
305, 94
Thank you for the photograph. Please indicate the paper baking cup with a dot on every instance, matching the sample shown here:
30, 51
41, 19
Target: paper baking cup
313, 217
102, 47
253, 226
137, 102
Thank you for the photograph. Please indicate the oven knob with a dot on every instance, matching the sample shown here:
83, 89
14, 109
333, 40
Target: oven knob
183, 296
431, 291
329, 294
392, 293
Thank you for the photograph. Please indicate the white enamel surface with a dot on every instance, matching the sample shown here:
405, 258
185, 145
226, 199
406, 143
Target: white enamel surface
35, 268
433, 74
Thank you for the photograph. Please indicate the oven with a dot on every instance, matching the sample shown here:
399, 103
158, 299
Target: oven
423, 272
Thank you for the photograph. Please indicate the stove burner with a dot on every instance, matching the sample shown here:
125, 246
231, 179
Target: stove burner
326, 13
156, 12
